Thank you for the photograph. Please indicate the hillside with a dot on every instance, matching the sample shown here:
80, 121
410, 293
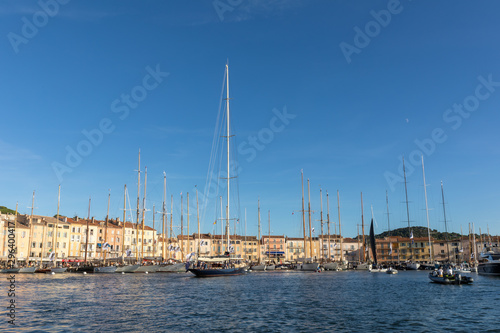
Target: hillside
5, 210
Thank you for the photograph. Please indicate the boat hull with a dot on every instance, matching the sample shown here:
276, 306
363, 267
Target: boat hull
311, 266
58, 270
27, 270
217, 272
331, 266
413, 266
175, 268
127, 269
489, 268
147, 268
107, 269
10, 270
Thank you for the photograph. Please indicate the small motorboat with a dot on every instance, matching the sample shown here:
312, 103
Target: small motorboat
450, 279
391, 270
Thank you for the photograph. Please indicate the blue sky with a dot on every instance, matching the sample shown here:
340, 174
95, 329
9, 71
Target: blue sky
351, 114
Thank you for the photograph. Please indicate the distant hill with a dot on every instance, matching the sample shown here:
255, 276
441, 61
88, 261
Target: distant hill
419, 232
5, 210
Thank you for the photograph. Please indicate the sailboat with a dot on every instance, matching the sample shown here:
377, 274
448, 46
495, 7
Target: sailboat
409, 265
259, 267
221, 265
390, 270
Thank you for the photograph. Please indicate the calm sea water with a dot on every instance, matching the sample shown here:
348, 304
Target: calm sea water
257, 302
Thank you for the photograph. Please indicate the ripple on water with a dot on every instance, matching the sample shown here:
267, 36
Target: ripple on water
259, 302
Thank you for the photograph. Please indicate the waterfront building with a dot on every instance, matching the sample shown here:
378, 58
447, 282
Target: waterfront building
294, 249
273, 248
351, 249
21, 236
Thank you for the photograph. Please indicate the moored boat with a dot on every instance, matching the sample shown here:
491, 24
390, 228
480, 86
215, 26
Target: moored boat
10, 270
127, 268
450, 279
489, 264
27, 270
105, 269
174, 268
58, 269
391, 270
147, 269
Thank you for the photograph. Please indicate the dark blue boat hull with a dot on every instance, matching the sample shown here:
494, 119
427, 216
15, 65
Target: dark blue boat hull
217, 272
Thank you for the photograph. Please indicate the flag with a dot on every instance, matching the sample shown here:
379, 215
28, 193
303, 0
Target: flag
411, 237
129, 252
390, 248
106, 246
215, 222
312, 230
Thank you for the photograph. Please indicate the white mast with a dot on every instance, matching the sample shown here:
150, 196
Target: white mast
228, 161
427, 212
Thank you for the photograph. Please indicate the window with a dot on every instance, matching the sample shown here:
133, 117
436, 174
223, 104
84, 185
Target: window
73, 230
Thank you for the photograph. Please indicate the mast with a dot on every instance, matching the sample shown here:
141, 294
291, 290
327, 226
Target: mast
258, 205
198, 220
138, 209
103, 250
31, 224
407, 210
87, 233
388, 225
144, 212
445, 227
310, 224
182, 231
340, 230
474, 242
322, 252
124, 220
245, 250
188, 244
57, 223
427, 213
163, 252
269, 238
221, 226
228, 161
303, 214
171, 224
363, 229
154, 231
328, 224
15, 232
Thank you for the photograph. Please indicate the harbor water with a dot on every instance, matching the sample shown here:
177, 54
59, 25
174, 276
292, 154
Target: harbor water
349, 301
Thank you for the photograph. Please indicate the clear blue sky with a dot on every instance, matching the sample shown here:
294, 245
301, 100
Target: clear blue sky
359, 101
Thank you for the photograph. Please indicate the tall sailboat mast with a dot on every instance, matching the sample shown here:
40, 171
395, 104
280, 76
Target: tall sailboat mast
138, 209
144, 212
363, 228
269, 238
31, 224
303, 214
103, 250
182, 230
171, 223
87, 233
322, 252
309, 214
164, 211
427, 213
445, 227
228, 161
340, 229
328, 224
187, 233
124, 220
258, 210
198, 220
407, 210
